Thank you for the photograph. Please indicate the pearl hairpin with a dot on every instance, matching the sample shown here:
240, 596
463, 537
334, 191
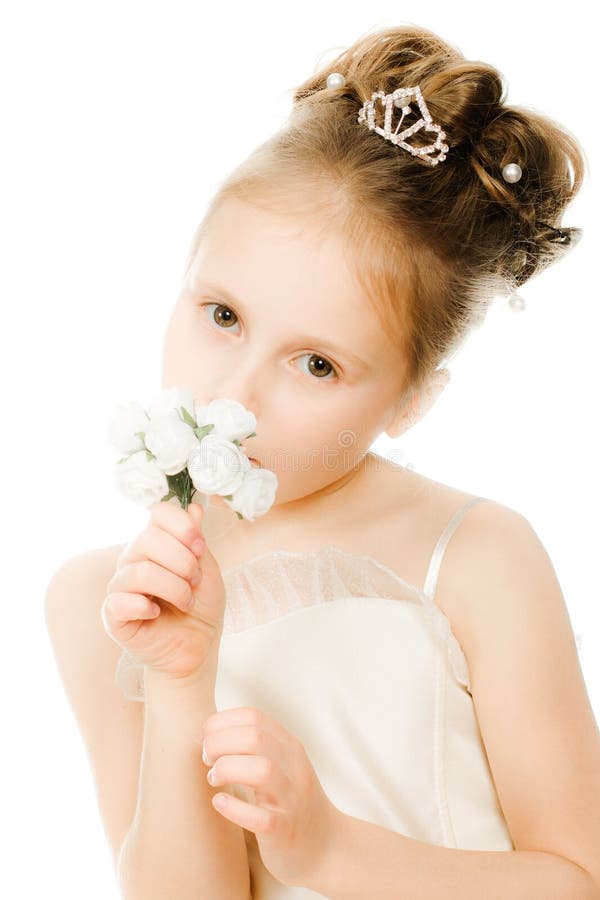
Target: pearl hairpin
512, 172
335, 80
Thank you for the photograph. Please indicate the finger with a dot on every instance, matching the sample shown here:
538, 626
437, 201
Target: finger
162, 547
253, 818
120, 607
258, 772
243, 715
147, 577
178, 521
196, 512
242, 739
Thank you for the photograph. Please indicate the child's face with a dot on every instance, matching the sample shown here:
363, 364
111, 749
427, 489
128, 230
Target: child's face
283, 347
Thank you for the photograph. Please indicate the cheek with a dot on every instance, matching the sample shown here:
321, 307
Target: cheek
314, 439
345, 429
341, 434
189, 359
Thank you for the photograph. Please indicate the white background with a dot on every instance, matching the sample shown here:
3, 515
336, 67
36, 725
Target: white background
118, 120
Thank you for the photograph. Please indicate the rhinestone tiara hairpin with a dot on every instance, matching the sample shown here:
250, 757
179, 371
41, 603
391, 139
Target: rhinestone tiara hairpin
401, 98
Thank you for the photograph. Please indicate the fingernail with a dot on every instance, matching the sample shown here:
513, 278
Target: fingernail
205, 758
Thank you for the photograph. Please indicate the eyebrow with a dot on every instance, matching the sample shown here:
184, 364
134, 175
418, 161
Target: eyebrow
309, 339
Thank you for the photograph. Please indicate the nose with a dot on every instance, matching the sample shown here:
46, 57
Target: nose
241, 384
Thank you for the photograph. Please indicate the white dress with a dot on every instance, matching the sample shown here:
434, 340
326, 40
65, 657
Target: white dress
364, 669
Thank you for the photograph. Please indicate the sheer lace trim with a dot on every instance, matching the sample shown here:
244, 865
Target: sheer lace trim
278, 582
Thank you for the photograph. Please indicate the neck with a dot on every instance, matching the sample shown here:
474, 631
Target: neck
222, 520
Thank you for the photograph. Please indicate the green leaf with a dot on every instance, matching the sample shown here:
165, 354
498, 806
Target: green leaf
187, 417
203, 430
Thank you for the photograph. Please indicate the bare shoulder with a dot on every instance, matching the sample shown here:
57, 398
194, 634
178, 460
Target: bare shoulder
86, 659
88, 564
76, 590
74, 597
493, 551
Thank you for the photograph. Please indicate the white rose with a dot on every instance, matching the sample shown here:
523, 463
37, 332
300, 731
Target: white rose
169, 401
231, 419
140, 479
256, 494
127, 419
171, 441
217, 466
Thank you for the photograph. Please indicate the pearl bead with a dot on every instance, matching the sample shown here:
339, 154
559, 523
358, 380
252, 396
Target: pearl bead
335, 80
516, 303
512, 172
403, 102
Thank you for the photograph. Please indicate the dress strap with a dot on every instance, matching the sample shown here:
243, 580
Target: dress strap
438, 550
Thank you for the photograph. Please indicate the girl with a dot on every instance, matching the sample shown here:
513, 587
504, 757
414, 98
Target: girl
373, 688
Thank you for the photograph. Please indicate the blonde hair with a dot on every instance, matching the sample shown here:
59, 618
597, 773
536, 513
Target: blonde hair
430, 245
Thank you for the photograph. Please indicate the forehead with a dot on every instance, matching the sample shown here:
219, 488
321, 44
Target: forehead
270, 242
292, 266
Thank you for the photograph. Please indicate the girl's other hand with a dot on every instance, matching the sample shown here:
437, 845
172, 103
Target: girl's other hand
166, 600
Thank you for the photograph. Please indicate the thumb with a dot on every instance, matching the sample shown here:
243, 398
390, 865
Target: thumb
197, 513
211, 587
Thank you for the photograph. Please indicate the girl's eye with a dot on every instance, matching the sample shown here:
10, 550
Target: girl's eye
318, 366
223, 317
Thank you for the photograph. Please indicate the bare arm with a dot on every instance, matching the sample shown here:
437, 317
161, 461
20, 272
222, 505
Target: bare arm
147, 769
178, 845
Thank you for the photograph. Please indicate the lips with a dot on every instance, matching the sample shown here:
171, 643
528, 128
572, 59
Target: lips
254, 462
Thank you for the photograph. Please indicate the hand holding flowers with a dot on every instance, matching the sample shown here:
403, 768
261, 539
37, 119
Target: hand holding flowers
166, 600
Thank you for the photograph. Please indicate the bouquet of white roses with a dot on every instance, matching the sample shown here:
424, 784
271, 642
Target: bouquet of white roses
175, 447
